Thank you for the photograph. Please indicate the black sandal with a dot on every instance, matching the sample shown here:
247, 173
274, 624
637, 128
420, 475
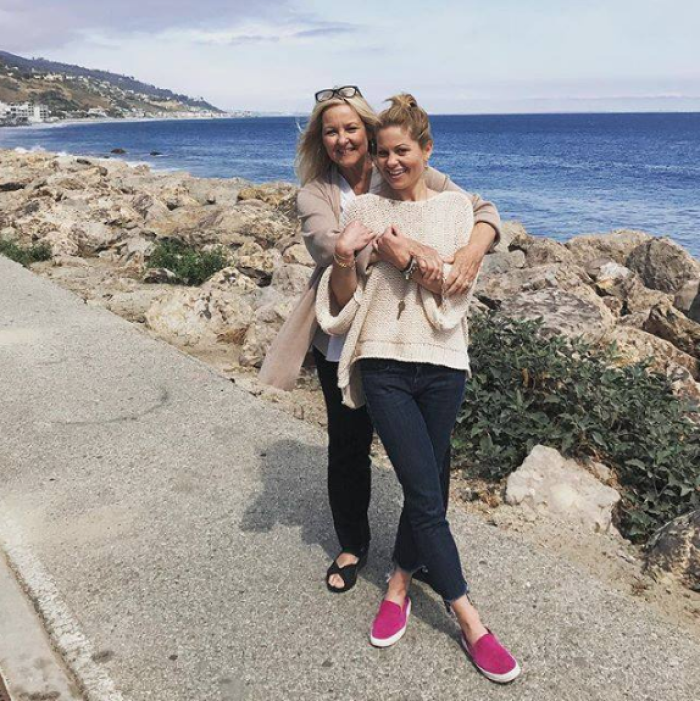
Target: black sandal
348, 574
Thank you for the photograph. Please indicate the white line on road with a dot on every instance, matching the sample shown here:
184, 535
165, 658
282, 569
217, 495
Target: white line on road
76, 650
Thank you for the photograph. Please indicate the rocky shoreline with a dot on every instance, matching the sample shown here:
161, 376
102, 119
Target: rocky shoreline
103, 219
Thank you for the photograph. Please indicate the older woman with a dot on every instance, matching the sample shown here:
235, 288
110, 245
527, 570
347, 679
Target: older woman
335, 166
406, 356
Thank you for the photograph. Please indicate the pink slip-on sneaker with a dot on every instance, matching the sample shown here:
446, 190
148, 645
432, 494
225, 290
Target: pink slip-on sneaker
390, 623
492, 659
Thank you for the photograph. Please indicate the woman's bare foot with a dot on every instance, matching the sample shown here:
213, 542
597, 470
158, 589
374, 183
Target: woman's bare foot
344, 559
468, 618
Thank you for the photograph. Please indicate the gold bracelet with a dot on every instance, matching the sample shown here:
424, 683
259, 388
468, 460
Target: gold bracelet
343, 263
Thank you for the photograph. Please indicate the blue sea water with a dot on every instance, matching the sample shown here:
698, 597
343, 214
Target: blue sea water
560, 175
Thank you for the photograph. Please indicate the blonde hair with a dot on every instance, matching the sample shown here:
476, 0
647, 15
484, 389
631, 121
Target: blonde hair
312, 158
405, 112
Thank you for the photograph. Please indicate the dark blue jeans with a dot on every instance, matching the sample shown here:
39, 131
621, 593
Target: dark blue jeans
414, 407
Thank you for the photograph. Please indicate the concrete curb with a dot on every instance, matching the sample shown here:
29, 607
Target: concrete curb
66, 635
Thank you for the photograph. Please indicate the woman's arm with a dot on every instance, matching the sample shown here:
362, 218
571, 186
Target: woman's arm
484, 212
321, 229
340, 290
467, 260
354, 238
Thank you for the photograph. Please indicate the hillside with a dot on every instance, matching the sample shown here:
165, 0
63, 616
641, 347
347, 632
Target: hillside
71, 91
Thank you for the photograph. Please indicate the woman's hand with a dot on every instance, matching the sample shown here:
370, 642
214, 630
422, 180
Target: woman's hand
393, 247
465, 266
430, 262
353, 238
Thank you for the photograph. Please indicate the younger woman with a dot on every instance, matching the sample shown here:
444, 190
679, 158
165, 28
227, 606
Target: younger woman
405, 356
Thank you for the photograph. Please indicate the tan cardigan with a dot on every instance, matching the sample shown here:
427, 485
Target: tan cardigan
318, 206
389, 316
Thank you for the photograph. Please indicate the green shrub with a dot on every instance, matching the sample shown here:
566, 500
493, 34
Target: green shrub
191, 265
527, 389
26, 255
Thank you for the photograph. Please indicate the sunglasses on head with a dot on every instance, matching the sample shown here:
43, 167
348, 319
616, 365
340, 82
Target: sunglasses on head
344, 91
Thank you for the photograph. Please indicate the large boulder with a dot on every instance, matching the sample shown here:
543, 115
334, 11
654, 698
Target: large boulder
616, 245
675, 549
290, 279
616, 281
687, 299
494, 287
501, 262
666, 322
579, 313
256, 262
663, 265
221, 308
548, 483
263, 329
634, 345
134, 305
513, 237
279, 195
541, 251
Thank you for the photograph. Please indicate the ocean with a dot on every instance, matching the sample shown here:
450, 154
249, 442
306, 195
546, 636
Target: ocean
559, 174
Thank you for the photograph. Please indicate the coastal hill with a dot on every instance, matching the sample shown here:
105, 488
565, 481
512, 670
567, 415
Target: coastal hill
72, 91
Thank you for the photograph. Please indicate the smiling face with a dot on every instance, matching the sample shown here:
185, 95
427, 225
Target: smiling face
344, 137
400, 158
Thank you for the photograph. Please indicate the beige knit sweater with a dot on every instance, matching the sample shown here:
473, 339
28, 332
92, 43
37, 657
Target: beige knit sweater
389, 316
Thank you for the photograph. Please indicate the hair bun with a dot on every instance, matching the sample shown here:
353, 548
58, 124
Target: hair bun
407, 113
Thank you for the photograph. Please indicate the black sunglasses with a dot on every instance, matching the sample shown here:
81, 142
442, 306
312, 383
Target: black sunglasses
345, 91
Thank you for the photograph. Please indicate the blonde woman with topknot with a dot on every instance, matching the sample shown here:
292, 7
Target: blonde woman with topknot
405, 357
334, 164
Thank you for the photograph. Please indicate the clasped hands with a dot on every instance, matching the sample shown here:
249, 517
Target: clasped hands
395, 248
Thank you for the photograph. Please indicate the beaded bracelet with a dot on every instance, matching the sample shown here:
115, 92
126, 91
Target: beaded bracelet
343, 263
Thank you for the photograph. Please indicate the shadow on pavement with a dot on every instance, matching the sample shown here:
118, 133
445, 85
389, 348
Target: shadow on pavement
294, 494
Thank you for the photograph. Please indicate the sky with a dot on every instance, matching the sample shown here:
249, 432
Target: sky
492, 56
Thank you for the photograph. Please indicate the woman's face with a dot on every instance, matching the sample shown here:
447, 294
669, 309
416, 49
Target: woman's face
400, 158
344, 136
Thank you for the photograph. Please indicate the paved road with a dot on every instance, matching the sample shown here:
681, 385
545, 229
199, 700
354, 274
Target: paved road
173, 531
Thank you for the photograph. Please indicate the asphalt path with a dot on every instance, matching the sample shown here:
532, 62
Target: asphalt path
173, 532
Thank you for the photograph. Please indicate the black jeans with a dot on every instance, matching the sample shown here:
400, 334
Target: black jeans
414, 407
350, 434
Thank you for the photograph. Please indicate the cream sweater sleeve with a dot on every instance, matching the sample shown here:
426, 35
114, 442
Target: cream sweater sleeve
332, 320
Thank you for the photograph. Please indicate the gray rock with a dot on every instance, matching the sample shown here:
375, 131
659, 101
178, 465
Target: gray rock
616, 245
263, 329
548, 483
161, 276
572, 314
501, 262
220, 310
667, 322
663, 265
513, 237
675, 549
687, 299
542, 251
290, 279
134, 305
494, 288
634, 345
